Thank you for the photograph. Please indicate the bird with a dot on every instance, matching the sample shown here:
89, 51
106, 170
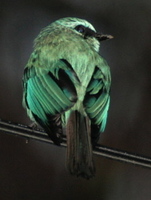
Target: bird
66, 89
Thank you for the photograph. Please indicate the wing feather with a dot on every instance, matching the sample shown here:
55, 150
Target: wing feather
97, 100
48, 93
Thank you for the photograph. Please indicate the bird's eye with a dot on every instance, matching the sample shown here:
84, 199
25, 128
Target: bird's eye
80, 29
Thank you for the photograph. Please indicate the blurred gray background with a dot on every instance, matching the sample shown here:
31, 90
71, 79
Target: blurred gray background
36, 171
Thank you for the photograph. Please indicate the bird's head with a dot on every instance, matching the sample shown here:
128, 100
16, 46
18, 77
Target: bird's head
84, 29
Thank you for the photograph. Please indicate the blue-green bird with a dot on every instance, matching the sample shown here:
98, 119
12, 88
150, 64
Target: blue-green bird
66, 89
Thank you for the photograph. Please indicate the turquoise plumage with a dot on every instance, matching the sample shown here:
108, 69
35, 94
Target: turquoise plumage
66, 89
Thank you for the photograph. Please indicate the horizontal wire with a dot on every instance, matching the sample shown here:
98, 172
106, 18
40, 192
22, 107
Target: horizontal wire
100, 150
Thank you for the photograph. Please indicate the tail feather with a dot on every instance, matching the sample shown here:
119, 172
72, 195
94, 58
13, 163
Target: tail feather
79, 150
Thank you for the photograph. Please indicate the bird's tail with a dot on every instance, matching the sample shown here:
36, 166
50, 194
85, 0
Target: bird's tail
79, 148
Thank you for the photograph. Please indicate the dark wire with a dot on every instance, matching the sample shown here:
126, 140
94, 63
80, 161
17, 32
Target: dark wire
100, 150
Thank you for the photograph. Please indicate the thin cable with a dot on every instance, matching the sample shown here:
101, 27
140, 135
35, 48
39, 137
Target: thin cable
100, 150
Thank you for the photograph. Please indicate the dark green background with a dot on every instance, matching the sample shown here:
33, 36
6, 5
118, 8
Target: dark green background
36, 171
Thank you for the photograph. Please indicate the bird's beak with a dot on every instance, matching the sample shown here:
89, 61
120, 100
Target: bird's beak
101, 37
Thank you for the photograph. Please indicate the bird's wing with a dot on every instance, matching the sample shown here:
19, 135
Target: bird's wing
97, 100
49, 92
